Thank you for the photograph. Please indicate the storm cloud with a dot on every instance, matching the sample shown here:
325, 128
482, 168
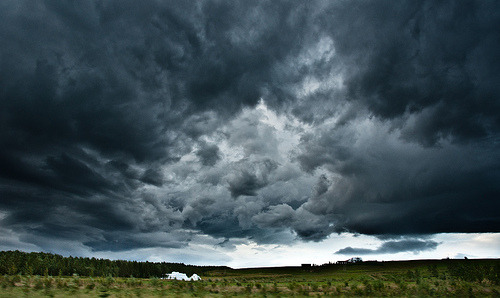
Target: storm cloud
127, 125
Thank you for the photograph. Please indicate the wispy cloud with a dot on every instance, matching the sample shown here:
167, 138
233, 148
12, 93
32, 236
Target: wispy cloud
392, 247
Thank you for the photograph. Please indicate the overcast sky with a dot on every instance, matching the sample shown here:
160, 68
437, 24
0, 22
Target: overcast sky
250, 133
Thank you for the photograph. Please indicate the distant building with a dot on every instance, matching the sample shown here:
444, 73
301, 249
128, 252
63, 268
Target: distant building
350, 261
355, 260
306, 266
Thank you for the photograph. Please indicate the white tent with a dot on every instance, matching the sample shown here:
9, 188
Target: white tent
177, 276
182, 276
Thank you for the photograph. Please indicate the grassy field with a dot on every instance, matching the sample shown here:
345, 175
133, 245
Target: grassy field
456, 278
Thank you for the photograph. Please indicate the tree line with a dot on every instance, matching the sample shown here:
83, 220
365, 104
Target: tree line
48, 264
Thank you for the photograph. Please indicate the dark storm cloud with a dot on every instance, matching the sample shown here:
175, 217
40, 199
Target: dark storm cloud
246, 181
120, 118
245, 184
391, 247
435, 60
208, 154
152, 177
400, 189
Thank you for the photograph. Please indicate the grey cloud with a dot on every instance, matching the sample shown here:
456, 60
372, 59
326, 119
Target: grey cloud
208, 154
246, 181
306, 225
153, 177
253, 136
121, 242
391, 247
312, 227
322, 185
412, 57
277, 216
124, 169
422, 190
395, 105
75, 174
245, 184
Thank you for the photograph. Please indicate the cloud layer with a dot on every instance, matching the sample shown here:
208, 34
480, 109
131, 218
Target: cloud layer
127, 125
392, 247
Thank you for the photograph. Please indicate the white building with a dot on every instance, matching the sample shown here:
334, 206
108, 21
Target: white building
182, 276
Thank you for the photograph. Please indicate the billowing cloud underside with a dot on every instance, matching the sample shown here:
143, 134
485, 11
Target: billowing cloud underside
130, 124
391, 247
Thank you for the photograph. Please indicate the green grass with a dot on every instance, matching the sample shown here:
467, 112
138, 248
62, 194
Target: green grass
454, 278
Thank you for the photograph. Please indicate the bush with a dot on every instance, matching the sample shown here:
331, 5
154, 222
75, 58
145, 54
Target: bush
76, 282
38, 283
424, 288
314, 287
378, 285
275, 288
15, 279
103, 293
368, 288
410, 275
107, 282
47, 282
61, 283
90, 286
357, 291
303, 290
155, 282
8, 281
4, 282
339, 289
402, 286
133, 282
433, 271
